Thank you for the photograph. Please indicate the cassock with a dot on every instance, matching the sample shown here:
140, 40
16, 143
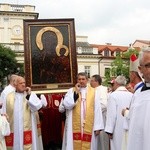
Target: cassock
4, 130
139, 127
118, 100
69, 104
51, 124
103, 95
23, 123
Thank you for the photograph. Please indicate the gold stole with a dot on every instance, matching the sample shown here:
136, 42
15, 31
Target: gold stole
27, 125
83, 143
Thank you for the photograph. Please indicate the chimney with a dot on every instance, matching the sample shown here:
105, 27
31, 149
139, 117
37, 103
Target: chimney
108, 44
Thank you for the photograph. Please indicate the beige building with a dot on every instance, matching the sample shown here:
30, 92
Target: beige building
141, 43
11, 26
88, 57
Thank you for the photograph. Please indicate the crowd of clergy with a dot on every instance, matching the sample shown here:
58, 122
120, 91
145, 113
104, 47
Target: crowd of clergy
97, 117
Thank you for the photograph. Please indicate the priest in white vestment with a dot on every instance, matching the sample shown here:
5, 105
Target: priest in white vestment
8, 89
84, 119
118, 100
21, 110
4, 130
136, 80
139, 125
95, 82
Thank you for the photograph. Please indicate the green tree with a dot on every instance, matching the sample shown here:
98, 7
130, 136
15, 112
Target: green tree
130, 51
8, 62
120, 66
107, 77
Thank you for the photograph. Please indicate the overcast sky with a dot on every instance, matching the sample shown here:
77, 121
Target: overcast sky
119, 22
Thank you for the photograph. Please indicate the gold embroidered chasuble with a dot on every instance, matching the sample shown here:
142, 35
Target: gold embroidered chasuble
27, 125
83, 141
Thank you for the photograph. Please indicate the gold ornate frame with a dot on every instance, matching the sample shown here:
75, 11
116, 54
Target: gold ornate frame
50, 54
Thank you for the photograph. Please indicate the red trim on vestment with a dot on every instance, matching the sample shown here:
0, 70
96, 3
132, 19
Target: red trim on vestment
27, 137
9, 140
76, 136
87, 137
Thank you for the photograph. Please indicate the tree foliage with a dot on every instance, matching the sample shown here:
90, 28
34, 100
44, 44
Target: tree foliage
130, 51
120, 65
8, 62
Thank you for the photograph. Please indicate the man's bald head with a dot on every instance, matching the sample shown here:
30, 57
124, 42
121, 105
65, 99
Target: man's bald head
12, 80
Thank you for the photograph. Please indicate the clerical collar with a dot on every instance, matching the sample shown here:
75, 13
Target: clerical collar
83, 88
147, 84
146, 87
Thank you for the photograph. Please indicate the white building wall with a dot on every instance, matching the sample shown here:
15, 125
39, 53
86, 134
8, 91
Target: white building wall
81, 38
98, 65
93, 63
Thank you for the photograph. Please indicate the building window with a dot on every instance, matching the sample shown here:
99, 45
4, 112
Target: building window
79, 50
6, 19
87, 70
112, 53
106, 53
17, 8
16, 46
86, 50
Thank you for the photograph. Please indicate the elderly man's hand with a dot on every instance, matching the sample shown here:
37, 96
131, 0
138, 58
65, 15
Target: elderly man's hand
28, 90
110, 135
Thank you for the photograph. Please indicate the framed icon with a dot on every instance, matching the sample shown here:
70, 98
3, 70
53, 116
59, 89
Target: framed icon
50, 53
